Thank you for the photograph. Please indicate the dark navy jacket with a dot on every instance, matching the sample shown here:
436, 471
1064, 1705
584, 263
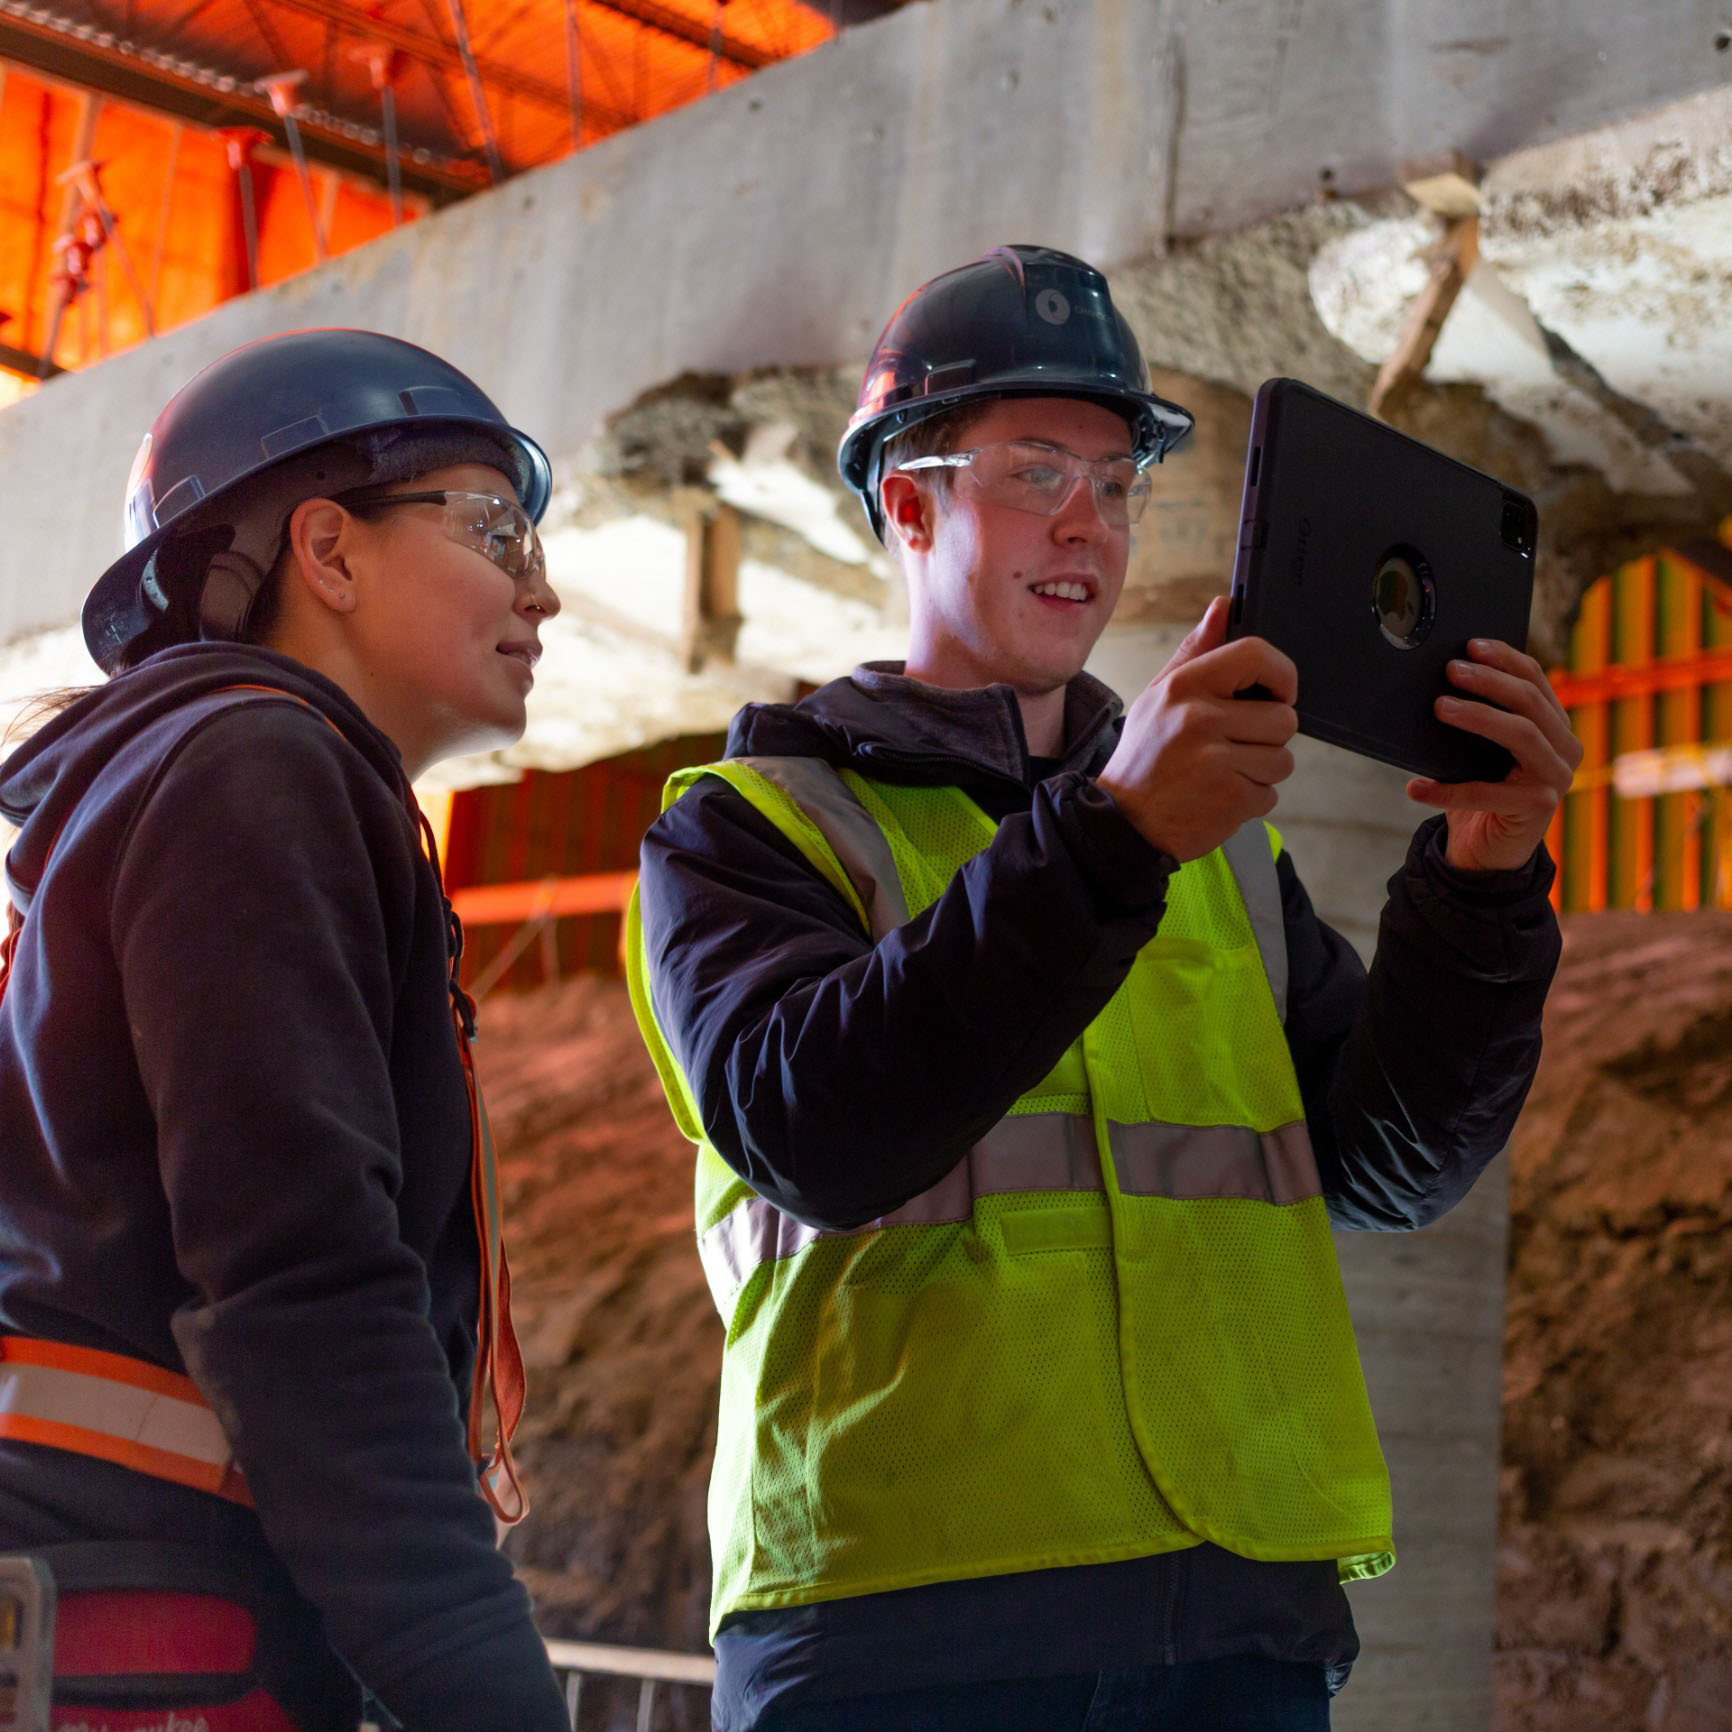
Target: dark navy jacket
840, 1078
237, 1143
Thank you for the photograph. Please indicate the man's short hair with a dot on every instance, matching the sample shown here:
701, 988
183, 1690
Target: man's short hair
937, 436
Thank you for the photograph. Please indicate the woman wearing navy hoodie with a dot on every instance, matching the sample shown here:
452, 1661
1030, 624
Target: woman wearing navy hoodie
252, 1306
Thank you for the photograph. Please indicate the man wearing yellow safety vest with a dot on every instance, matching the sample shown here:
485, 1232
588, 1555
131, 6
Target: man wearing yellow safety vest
1027, 1085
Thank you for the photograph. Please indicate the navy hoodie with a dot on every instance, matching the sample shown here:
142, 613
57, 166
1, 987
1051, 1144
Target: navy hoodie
238, 1145
839, 1078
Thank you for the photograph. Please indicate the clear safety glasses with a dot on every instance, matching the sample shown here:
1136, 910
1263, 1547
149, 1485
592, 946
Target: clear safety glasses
496, 527
1030, 476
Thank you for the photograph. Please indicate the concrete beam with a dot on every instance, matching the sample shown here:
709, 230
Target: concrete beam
694, 243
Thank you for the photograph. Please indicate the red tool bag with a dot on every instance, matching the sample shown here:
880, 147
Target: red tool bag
157, 1638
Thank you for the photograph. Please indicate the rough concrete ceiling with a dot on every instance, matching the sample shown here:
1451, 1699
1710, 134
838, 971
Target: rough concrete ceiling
1585, 364
1588, 361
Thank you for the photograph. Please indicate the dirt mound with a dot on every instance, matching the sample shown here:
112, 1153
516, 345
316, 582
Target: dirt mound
621, 1341
1615, 1587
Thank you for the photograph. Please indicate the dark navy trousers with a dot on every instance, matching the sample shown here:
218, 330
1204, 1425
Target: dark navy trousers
1246, 1693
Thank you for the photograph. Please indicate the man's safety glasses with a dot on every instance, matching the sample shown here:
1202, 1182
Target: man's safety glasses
494, 526
1027, 475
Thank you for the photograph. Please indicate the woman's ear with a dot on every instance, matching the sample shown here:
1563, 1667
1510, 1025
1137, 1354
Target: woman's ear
907, 511
321, 534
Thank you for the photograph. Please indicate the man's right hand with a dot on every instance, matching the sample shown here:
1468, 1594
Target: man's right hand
1194, 762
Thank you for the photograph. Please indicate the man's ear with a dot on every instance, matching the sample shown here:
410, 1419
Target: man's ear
320, 534
907, 509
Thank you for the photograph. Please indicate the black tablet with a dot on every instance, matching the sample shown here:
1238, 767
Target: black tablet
1371, 559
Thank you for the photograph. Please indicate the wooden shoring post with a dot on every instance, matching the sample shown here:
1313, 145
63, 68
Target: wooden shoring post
1590, 817
710, 618
1633, 731
1681, 724
1448, 186
1717, 722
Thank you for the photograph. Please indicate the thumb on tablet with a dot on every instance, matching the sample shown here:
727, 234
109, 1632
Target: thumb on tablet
1209, 633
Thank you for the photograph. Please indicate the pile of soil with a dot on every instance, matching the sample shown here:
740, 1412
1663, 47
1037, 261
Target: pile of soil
620, 1339
1615, 1585
1615, 1580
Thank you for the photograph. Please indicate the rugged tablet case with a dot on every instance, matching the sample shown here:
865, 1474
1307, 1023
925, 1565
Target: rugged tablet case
1330, 497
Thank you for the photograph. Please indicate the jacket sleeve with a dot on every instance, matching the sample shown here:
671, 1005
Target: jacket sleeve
840, 1078
258, 917
1413, 1077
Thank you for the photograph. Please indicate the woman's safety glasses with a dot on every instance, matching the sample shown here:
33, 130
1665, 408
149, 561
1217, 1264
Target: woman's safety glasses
1030, 476
494, 526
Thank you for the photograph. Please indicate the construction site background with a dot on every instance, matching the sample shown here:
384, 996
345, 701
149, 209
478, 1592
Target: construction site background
1615, 1568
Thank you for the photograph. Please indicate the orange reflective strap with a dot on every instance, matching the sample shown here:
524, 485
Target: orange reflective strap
498, 1360
118, 1409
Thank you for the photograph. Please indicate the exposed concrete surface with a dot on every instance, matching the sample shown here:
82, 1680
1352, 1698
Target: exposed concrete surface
1619, 245
774, 225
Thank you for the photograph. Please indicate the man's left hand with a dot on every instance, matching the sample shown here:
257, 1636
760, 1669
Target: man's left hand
1495, 826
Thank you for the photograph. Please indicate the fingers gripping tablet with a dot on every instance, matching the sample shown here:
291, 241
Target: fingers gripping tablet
1371, 560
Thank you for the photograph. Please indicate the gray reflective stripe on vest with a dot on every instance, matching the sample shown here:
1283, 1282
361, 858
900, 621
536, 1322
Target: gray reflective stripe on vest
111, 1409
1191, 1162
865, 856
1042, 1152
1026, 1152
1253, 864
851, 831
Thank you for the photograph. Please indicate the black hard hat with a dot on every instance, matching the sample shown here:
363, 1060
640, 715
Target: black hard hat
1017, 322
237, 448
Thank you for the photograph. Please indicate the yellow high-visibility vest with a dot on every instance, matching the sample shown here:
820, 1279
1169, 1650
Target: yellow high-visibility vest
1116, 1328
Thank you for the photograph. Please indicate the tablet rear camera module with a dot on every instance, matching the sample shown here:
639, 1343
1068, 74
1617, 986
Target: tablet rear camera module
1403, 598
1519, 526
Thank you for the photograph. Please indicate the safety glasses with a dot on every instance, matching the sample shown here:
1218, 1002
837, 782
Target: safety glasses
496, 527
1028, 475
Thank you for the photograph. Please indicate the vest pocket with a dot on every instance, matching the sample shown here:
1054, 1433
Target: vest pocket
1188, 1026
1068, 1227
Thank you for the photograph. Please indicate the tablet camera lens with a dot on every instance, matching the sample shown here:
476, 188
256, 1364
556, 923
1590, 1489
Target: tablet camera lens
1519, 528
1403, 599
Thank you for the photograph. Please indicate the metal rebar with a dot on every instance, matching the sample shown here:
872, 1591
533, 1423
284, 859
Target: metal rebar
477, 94
280, 87
574, 74
87, 176
249, 217
715, 44
176, 129
393, 174
89, 106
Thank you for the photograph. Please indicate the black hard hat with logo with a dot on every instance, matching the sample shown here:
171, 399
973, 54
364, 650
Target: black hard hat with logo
281, 420
1020, 321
